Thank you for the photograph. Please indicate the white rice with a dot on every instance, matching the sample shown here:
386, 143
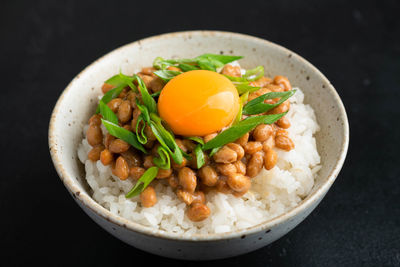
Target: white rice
272, 193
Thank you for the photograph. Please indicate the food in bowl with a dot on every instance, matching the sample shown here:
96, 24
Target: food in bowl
200, 146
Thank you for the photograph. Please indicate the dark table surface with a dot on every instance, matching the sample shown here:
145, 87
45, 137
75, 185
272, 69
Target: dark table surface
356, 44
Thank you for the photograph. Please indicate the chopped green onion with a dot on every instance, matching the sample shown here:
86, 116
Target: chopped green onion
158, 136
167, 136
244, 87
107, 113
156, 94
122, 79
196, 139
116, 80
254, 74
143, 110
167, 75
212, 63
129, 80
205, 62
186, 155
143, 117
249, 76
187, 67
243, 99
213, 151
163, 161
143, 182
223, 59
140, 134
110, 95
238, 130
198, 151
237, 79
163, 139
123, 134
180, 61
148, 101
177, 155
200, 161
257, 105
160, 64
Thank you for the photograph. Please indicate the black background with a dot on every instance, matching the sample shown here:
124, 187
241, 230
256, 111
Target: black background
356, 44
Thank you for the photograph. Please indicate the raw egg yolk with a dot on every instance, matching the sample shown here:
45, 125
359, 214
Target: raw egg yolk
198, 102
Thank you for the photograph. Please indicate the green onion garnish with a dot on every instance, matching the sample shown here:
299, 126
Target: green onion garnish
200, 161
163, 161
123, 134
107, 113
238, 130
257, 105
143, 182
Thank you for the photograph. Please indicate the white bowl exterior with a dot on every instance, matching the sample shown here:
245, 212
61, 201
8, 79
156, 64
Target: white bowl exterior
79, 100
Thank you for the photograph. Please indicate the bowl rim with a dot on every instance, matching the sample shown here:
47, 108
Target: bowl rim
96, 208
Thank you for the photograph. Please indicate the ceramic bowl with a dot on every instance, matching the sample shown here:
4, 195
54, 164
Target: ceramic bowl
78, 102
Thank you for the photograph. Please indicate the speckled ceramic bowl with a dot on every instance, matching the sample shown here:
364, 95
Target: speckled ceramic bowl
78, 101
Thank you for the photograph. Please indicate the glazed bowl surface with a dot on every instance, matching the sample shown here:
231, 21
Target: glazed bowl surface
78, 102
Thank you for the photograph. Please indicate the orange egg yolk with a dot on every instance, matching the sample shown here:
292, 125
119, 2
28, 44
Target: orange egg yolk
198, 102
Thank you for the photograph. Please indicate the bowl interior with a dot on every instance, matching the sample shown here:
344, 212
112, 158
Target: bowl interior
79, 100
